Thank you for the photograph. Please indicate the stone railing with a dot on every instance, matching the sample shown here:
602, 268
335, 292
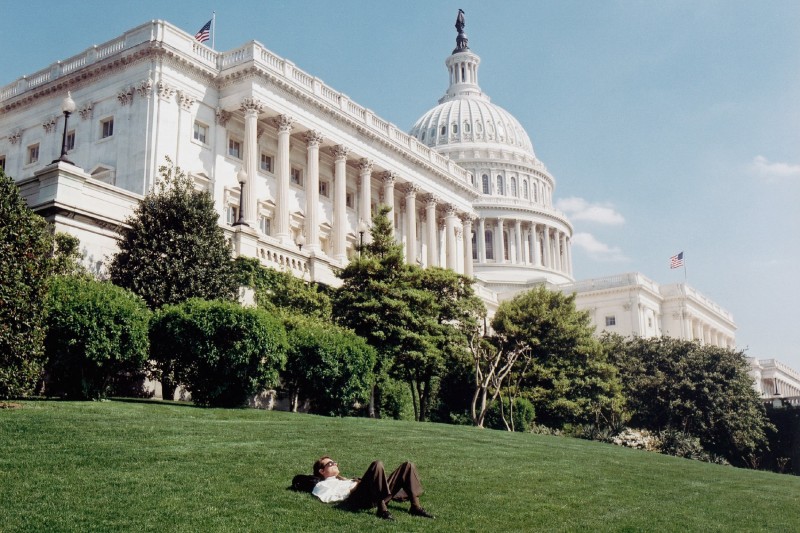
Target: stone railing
769, 364
682, 289
611, 282
510, 201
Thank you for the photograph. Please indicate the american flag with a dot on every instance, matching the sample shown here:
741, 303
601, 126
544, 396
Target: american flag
676, 261
204, 33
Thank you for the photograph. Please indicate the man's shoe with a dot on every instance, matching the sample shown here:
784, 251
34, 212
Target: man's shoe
384, 515
419, 511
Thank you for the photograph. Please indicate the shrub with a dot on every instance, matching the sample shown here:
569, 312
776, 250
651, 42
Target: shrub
328, 366
639, 439
221, 352
97, 334
680, 444
520, 418
25, 267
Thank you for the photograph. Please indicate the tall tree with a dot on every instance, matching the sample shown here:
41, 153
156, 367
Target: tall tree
174, 249
701, 390
25, 268
568, 379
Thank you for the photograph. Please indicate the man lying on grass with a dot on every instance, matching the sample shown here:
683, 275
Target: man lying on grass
373, 489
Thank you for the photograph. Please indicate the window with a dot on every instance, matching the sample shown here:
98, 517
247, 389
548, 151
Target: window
649, 322
466, 127
200, 132
489, 244
231, 214
350, 200
486, 186
297, 177
500, 189
3, 162
514, 187
234, 148
324, 189
69, 143
474, 246
33, 154
611, 320
265, 225
454, 128
266, 163
443, 130
525, 191
107, 127
423, 136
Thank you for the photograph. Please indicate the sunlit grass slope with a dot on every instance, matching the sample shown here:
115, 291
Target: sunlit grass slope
149, 466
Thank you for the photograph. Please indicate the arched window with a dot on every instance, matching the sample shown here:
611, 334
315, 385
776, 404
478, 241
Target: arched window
505, 246
525, 193
423, 136
432, 133
486, 186
478, 127
454, 128
501, 190
535, 192
466, 127
489, 244
514, 187
474, 246
444, 130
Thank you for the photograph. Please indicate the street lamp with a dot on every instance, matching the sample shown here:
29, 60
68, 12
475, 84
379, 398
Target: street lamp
362, 227
242, 177
67, 107
300, 241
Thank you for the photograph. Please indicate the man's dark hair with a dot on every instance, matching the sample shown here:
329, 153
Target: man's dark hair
319, 464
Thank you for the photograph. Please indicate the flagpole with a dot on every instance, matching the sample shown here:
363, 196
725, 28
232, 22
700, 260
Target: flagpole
213, 29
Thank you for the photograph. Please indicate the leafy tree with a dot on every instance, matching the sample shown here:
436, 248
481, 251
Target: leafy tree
568, 379
67, 255
221, 352
25, 267
281, 290
701, 390
173, 249
96, 335
328, 366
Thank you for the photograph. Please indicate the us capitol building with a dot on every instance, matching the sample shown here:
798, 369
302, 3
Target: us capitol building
309, 166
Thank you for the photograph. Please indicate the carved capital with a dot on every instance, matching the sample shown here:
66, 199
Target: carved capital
313, 138
430, 200
251, 105
86, 110
15, 136
283, 123
451, 211
340, 152
409, 189
145, 88
222, 117
49, 125
125, 96
165, 92
365, 166
388, 177
468, 218
186, 100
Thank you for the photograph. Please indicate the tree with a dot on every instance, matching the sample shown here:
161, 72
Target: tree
25, 268
568, 380
173, 249
328, 366
701, 390
96, 335
221, 352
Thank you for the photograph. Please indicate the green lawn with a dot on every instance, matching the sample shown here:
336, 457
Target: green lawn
150, 466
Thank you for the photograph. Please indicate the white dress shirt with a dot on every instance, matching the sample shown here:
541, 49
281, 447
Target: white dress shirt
333, 489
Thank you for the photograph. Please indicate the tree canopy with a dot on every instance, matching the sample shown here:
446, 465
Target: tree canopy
173, 249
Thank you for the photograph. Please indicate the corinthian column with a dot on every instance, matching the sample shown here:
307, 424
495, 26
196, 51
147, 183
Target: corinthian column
430, 216
339, 204
548, 251
518, 255
252, 108
284, 125
466, 222
388, 178
481, 240
500, 255
313, 140
450, 227
365, 205
410, 191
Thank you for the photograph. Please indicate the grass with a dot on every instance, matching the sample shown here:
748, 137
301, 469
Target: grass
150, 466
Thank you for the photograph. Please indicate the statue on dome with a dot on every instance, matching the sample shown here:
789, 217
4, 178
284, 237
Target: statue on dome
461, 39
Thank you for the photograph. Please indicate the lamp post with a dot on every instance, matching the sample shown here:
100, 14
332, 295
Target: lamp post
300, 241
67, 107
362, 227
242, 177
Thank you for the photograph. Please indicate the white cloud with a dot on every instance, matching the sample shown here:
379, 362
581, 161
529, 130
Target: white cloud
596, 249
579, 209
771, 171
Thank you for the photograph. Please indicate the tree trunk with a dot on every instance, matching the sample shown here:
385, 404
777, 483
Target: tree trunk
371, 409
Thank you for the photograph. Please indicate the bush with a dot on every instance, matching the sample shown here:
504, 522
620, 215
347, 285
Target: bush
520, 418
328, 366
97, 335
221, 352
25, 266
680, 444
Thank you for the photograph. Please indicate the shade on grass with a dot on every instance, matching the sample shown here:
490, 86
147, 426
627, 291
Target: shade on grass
147, 466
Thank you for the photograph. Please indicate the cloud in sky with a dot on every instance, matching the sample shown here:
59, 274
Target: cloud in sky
596, 249
773, 171
579, 209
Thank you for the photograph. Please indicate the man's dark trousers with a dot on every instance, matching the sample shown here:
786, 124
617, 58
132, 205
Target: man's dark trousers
375, 488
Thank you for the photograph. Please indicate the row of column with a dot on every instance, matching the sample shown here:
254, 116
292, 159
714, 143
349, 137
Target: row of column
282, 226
698, 330
531, 244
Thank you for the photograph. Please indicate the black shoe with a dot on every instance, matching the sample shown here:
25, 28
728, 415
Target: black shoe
419, 511
384, 515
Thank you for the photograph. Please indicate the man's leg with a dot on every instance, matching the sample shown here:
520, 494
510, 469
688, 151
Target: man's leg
372, 490
404, 483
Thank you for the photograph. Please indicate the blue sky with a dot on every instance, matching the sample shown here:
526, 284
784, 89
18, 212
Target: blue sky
669, 126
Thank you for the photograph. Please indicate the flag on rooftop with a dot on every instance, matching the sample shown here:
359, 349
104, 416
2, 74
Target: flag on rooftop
676, 261
204, 33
